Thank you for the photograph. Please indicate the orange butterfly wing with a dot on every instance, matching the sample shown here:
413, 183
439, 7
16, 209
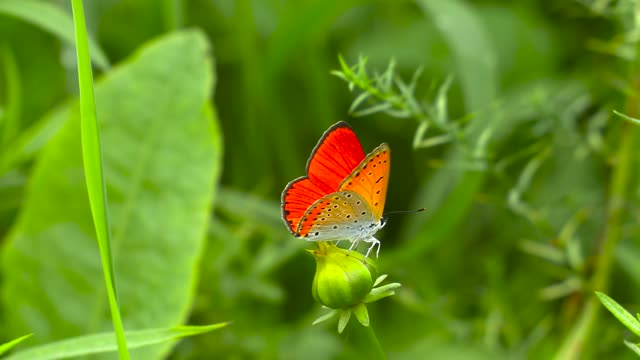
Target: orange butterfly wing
333, 159
337, 216
370, 179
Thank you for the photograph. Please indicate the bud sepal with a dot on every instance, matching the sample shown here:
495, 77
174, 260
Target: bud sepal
344, 283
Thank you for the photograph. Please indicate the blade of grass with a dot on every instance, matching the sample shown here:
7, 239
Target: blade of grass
106, 342
92, 158
13, 343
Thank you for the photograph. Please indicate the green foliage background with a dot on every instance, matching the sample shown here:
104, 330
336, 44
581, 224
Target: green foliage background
209, 107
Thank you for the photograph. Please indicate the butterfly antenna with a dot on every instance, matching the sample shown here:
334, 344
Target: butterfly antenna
404, 212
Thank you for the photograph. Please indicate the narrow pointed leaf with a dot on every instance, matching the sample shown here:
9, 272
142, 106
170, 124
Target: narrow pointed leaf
628, 118
619, 312
373, 109
325, 317
379, 280
362, 314
13, 343
362, 97
633, 346
93, 166
345, 315
106, 342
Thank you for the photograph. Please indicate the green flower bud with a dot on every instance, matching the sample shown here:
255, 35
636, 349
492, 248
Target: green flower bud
342, 278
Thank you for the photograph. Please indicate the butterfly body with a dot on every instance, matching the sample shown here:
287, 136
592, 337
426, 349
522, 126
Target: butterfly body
342, 197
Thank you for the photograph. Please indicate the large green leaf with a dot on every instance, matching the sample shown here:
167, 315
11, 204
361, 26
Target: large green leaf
162, 154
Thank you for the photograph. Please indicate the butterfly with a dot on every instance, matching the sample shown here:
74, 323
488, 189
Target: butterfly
343, 194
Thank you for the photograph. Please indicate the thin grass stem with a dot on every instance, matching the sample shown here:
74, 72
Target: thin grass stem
92, 158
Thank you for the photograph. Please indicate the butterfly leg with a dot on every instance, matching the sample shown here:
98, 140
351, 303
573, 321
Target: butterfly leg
373, 242
354, 244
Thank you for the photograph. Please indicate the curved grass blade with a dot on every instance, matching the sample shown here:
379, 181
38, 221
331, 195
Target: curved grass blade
106, 342
93, 166
13, 343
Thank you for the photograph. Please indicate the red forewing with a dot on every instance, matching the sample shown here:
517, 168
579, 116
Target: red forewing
338, 152
332, 160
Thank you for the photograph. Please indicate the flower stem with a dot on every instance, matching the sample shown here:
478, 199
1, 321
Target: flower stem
573, 346
365, 341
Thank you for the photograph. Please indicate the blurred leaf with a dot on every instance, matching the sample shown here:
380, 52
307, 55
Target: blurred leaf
13, 343
628, 257
106, 342
620, 313
634, 347
10, 117
433, 348
30, 141
451, 191
471, 48
252, 207
162, 154
53, 19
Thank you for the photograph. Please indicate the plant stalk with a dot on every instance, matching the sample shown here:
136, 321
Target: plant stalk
365, 341
575, 343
